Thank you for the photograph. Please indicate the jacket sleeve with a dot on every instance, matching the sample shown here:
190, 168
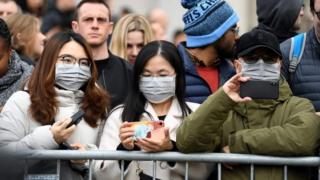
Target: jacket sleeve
199, 132
299, 135
15, 126
109, 169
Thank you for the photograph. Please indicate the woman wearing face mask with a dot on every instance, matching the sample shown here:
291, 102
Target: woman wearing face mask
157, 94
63, 82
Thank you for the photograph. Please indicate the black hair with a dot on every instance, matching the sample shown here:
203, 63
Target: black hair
134, 105
312, 6
5, 33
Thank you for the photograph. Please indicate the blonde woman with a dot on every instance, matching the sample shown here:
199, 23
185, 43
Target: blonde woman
130, 34
27, 39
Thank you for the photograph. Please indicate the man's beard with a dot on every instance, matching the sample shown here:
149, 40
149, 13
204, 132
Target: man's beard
224, 52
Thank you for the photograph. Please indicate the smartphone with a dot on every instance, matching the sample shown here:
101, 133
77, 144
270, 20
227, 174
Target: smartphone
76, 118
260, 89
148, 129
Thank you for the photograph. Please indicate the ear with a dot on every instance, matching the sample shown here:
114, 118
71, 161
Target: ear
237, 65
18, 36
280, 61
75, 26
110, 28
21, 41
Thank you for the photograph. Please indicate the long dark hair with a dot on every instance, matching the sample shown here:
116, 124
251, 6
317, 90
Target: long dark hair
135, 103
312, 9
41, 84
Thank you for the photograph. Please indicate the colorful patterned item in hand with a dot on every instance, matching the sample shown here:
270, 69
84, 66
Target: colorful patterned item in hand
143, 128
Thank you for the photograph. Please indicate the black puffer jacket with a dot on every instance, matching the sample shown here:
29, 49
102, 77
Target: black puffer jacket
305, 81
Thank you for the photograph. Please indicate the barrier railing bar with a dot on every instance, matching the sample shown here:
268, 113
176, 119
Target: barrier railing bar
58, 168
186, 176
252, 172
122, 169
219, 171
25, 168
285, 172
90, 170
154, 172
171, 156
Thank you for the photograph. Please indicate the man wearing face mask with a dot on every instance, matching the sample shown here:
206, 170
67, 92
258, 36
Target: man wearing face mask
283, 126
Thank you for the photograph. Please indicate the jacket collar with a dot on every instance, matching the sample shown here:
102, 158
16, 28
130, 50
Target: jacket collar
68, 98
226, 69
188, 64
174, 110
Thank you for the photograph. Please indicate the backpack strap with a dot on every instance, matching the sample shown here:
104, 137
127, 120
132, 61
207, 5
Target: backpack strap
296, 51
100, 131
102, 124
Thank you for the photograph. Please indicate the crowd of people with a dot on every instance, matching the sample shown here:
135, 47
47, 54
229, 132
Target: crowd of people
211, 91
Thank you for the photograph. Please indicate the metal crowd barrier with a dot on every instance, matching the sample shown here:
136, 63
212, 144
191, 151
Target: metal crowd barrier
218, 158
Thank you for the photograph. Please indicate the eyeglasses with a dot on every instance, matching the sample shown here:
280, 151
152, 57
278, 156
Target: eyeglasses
67, 59
235, 29
268, 59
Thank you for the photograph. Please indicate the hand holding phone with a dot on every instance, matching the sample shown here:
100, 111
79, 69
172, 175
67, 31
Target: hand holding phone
232, 86
76, 118
60, 131
148, 129
126, 133
156, 143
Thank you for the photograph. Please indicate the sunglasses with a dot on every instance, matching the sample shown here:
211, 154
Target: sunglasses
268, 59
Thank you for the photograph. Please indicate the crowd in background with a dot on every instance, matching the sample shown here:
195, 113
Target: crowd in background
61, 57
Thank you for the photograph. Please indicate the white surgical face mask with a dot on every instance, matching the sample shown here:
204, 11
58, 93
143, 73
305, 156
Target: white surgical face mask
261, 70
72, 77
158, 89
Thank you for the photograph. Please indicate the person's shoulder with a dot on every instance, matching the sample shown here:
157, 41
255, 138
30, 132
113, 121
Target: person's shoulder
19, 98
120, 61
20, 95
285, 45
116, 111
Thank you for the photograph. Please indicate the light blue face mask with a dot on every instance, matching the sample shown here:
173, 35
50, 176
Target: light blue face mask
72, 77
158, 89
261, 70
